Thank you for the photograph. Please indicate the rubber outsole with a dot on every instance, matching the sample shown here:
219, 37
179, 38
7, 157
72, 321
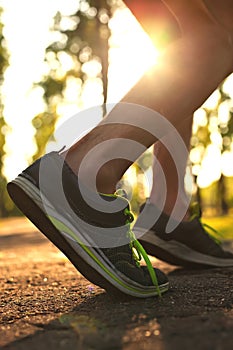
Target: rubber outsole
166, 250
165, 256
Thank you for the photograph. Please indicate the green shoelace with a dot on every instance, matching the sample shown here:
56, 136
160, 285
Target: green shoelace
196, 213
138, 251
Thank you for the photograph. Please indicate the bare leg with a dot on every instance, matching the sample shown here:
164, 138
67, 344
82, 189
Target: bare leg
189, 73
157, 20
162, 154
164, 158
166, 23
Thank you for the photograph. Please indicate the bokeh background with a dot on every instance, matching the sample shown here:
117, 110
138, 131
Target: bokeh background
59, 57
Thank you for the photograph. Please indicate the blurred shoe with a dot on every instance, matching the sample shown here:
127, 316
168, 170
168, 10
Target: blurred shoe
99, 242
190, 244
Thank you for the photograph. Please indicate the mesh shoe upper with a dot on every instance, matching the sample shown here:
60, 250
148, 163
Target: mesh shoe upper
190, 233
56, 180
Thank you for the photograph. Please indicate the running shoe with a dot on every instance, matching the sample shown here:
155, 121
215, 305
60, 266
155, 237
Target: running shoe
93, 230
190, 244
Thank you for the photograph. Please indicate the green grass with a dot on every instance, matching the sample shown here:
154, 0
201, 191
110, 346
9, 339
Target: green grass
223, 224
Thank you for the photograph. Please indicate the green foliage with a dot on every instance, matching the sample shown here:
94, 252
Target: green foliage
223, 224
3, 52
85, 39
6, 205
202, 137
44, 123
52, 87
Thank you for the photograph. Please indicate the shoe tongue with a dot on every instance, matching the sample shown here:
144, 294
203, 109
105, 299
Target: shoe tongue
154, 217
105, 210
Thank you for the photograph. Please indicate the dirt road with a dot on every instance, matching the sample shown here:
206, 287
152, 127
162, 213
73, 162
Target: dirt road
46, 304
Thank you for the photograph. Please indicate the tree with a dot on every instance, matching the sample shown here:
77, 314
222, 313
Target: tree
83, 37
4, 202
216, 128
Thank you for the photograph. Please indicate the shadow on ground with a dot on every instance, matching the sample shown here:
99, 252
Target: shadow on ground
45, 303
195, 314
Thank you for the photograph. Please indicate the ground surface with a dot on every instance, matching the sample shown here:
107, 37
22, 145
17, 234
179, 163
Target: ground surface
46, 304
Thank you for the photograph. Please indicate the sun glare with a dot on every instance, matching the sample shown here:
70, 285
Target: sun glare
131, 54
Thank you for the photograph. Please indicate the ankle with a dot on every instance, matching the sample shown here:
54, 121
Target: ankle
103, 180
106, 179
170, 202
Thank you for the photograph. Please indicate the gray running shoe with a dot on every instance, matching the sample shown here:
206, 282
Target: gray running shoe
97, 240
190, 244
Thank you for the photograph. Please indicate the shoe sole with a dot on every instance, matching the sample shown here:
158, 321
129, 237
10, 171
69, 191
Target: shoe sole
90, 264
177, 253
